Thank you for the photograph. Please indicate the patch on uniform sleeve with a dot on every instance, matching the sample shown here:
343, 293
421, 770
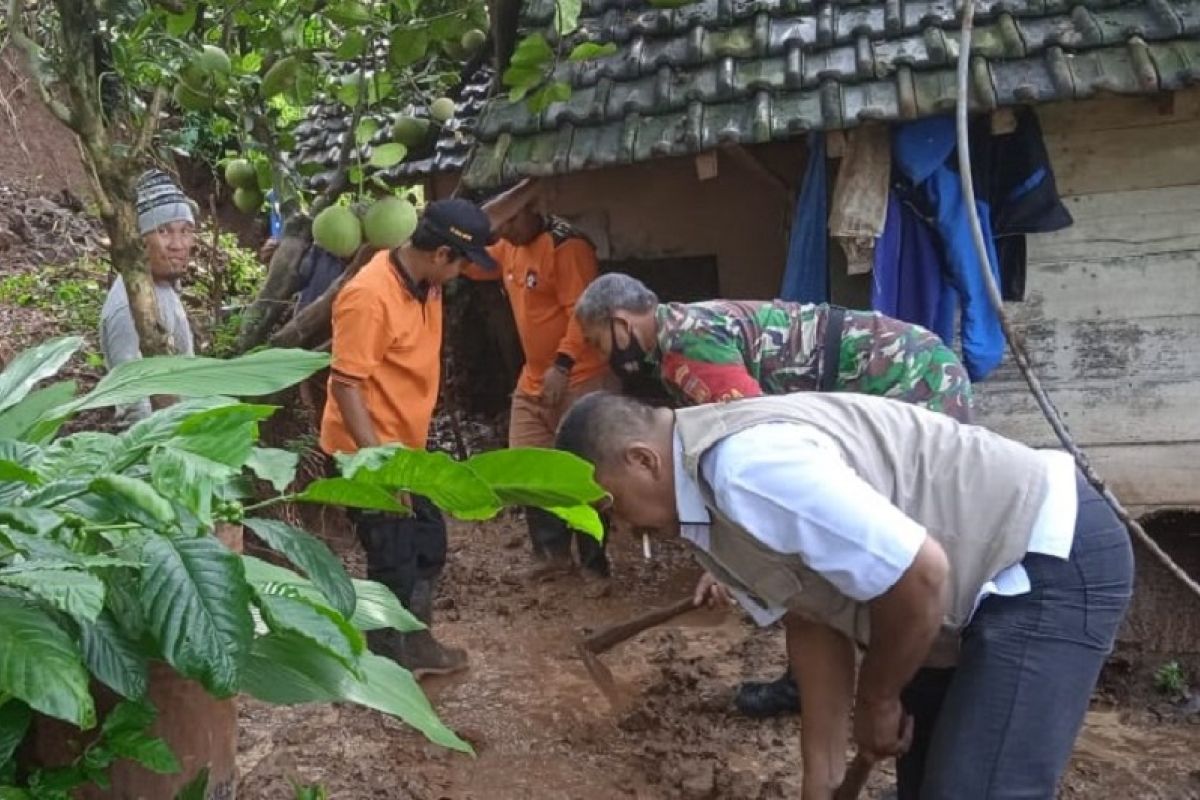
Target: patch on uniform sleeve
531, 280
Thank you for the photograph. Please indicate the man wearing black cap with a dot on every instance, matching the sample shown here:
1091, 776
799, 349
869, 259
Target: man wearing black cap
383, 385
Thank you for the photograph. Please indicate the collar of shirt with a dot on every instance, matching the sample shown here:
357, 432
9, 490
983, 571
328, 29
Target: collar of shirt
420, 291
689, 500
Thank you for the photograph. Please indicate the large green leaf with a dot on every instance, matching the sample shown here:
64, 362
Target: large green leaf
450, 484
531, 476
15, 717
277, 467
226, 434
260, 373
125, 736
188, 478
376, 606
80, 455
12, 471
197, 605
312, 556
16, 422
75, 592
284, 669
566, 16
581, 518
40, 665
113, 658
318, 623
351, 493
408, 46
32, 365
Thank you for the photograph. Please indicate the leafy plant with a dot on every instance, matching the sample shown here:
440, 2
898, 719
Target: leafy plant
1169, 679
109, 558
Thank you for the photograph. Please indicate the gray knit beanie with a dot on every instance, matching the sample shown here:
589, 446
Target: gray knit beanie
160, 201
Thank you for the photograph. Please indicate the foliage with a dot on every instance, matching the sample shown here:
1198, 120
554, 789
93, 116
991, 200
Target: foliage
109, 556
70, 294
1169, 679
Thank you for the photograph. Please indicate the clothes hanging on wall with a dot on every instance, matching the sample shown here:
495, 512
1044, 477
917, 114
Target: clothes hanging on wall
806, 275
858, 211
908, 264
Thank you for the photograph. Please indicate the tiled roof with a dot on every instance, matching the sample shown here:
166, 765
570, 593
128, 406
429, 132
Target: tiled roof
753, 71
319, 138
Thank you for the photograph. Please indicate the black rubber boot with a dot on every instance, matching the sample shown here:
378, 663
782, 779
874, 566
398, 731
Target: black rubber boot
420, 653
762, 699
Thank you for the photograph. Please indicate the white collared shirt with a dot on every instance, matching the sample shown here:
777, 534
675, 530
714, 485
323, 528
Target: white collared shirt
788, 485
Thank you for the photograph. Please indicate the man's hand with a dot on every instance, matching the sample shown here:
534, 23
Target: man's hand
268, 249
881, 728
711, 592
554, 386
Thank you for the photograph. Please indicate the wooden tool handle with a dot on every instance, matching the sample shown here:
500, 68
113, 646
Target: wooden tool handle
607, 638
855, 780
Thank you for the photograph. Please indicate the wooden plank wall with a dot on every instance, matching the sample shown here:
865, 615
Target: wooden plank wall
1112, 314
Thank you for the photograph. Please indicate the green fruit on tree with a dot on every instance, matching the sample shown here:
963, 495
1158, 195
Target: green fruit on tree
281, 77
349, 13
214, 60
189, 99
240, 174
442, 109
454, 49
337, 230
248, 200
410, 131
472, 40
390, 222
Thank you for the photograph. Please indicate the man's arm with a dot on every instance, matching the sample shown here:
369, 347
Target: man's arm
120, 344
823, 662
704, 381
503, 207
575, 267
350, 402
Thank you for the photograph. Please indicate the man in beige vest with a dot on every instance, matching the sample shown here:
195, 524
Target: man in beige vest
869, 523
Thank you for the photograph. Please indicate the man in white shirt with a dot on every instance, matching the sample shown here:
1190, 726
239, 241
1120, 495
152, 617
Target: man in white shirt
166, 221
864, 521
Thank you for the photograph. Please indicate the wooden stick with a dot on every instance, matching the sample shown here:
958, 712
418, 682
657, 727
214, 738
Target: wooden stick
606, 639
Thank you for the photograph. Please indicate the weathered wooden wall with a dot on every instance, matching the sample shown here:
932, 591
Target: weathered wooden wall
1112, 315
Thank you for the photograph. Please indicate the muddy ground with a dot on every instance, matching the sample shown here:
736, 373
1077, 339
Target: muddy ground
542, 730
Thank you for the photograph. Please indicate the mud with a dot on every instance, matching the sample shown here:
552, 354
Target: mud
543, 730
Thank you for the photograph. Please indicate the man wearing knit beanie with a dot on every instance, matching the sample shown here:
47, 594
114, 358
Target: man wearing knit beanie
167, 223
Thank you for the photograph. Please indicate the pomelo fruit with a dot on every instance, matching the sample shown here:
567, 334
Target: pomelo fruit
337, 230
442, 109
410, 131
248, 200
472, 40
389, 222
240, 174
281, 77
214, 60
189, 99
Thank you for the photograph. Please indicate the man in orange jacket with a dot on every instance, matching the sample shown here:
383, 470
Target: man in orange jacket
545, 265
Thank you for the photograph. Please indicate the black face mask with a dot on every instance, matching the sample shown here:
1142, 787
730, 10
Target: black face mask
630, 359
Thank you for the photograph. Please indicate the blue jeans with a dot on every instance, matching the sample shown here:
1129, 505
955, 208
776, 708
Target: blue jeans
1005, 723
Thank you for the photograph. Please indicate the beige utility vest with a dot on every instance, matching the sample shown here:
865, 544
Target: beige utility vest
975, 492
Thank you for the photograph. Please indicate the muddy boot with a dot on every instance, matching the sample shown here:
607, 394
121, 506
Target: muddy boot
421, 653
775, 698
551, 547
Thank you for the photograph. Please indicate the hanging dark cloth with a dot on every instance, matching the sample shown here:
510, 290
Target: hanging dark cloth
806, 275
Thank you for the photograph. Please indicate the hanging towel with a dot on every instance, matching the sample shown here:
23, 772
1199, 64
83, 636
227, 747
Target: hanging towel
860, 195
806, 275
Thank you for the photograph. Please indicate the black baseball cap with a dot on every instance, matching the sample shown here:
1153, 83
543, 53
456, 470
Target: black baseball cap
463, 226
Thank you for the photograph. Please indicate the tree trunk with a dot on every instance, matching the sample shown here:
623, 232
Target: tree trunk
313, 326
283, 280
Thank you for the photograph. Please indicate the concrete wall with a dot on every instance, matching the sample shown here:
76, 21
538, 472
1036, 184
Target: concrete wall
1112, 315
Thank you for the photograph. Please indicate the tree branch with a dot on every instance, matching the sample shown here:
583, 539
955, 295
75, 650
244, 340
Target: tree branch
150, 123
341, 179
174, 6
33, 54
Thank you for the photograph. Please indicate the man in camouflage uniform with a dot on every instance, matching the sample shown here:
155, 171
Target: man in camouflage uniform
724, 350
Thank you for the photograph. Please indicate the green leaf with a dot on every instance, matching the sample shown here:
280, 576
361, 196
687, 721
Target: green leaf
33, 365
366, 129
355, 174
180, 24
548, 95
11, 471
376, 607
277, 467
590, 50
260, 373
113, 658
188, 479
196, 789
321, 625
408, 46
284, 669
126, 736
347, 94
353, 46
452, 485
16, 422
532, 476
226, 434
136, 494
15, 717
532, 51
77, 593
40, 665
566, 16
581, 518
312, 556
129, 716
196, 603
388, 155
349, 13
351, 493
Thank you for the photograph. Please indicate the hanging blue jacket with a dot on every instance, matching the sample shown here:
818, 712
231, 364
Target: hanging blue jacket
806, 275
921, 151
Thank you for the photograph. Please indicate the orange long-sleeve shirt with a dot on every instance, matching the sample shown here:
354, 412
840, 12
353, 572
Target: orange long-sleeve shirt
543, 279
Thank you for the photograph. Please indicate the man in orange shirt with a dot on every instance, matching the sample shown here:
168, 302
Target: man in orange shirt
545, 265
383, 385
